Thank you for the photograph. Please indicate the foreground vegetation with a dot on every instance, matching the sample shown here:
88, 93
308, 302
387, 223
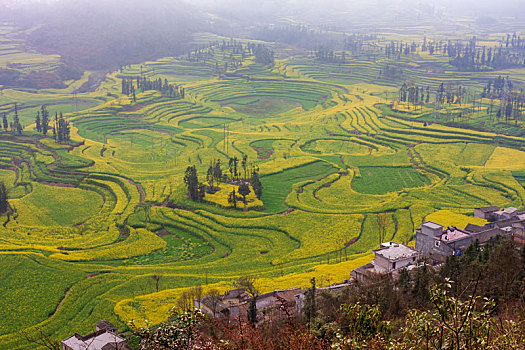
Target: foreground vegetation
463, 305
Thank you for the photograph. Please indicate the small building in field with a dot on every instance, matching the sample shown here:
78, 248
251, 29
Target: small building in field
104, 338
394, 256
388, 259
485, 212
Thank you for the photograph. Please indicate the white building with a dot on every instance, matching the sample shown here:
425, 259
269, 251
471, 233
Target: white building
389, 258
394, 256
104, 338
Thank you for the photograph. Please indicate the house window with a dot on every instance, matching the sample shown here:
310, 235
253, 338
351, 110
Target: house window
394, 265
437, 243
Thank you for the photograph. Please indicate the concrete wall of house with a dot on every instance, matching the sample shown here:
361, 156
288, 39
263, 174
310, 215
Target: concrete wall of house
424, 243
480, 214
403, 263
425, 239
433, 232
447, 248
485, 236
384, 265
464, 242
381, 264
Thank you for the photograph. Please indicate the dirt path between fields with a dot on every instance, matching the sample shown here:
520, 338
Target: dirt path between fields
61, 301
141, 191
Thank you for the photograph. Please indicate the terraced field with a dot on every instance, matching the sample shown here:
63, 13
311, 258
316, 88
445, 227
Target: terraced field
102, 216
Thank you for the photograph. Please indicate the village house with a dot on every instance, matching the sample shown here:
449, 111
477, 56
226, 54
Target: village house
485, 212
334, 289
236, 303
436, 243
388, 259
104, 338
506, 214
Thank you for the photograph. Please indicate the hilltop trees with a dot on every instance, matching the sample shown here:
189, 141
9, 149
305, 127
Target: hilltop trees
16, 127
243, 185
4, 122
63, 130
4, 205
263, 55
37, 122
244, 190
257, 185
195, 188
214, 175
232, 165
44, 124
145, 84
232, 199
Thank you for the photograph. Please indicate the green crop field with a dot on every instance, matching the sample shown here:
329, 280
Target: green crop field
381, 180
92, 221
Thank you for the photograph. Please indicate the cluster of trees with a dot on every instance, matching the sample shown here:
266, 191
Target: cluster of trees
395, 49
466, 56
42, 120
61, 127
356, 42
294, 34
215, 175
263, 55
414, 94
391, 72
4, 204
238, 52
417, 95
251, 177
511, 103
497, 88
243, 190
196, 189
474, 301
203, 53
144, 84
314, 38
471, 57
15, 127
61, 130
329, 56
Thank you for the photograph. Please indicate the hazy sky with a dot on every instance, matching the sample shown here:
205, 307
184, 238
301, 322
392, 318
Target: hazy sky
454, 7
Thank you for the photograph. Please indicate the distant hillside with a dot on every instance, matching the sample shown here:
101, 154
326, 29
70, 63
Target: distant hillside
106, 34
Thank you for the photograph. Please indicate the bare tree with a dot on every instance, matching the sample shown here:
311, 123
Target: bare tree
40, 339
214, 300
156, 278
